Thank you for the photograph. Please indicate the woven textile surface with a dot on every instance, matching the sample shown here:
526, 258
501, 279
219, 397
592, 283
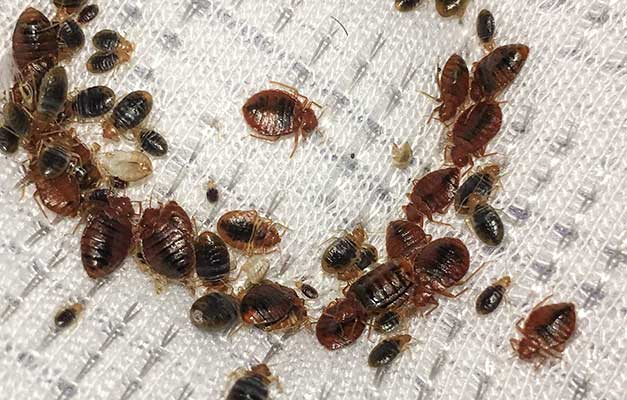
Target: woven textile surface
563, 200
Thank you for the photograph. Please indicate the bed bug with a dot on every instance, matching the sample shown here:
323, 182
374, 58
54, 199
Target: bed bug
406, 5
433, 193
53, 160
270, 306
9, 143
497, 70
440, 265
342, 322
129, 113
490, 298
60, 195
387, 351
108, 235
485, 221
545, 332
102, 61
213, 261
368, 255
387, 322
481, 183
450, 8
402, 156
273, 114
252, 385
16, 119
453, 83
404, 239
214, 311
248, 231
71, 37
166, 235
213, 195
88, 14
34, 38
67, 316
385, 287
152, 142
473, 130
307, 290
52, 94
486, 28
342, 255
25, 90
108, 40
92, 102
130, 166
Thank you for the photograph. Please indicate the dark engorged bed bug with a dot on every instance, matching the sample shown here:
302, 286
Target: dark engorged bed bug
387, 350
273, 114
342, 322
71, 37
109, 41
88, 14
368, 255
440, 265
473, 130
16, 119
307, 290
129, 113
385, 287
213, 195
270, 306
9, 143
103, 61
449, 8
52, 94
67, 316
481, 183
34, 38
406, 5
490, 298
252, 385
404, 239
546, 331
167, 241
213, 261
108, 236
486, 28
152, 142
248, 231
485, 221
54, 160
214, 311
433, 193
340, 258
92, 102
387, 322
497, 70
453, 82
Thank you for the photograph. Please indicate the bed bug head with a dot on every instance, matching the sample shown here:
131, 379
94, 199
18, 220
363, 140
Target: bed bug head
308, 119
459, 156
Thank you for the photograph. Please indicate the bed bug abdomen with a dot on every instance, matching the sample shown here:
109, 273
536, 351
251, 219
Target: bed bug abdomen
71, 35
153, 142
9, 143
53, 161
248, 231
214, 311
34, 38
307, 290
454, 82
102, 61
129, 113
486, 28
481, 184
52, 93
445, 260
404, 239
67, 316
270, 306
88, 14
387, 351
342, 322
387, 322
485, 221
253, 385
16, 119
473, 130
496, 71
490, 298
213, 261
93, 102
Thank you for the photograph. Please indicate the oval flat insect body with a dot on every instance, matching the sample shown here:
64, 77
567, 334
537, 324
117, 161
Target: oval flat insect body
9, 143
406, 5
213, 194
496, 71
342, 322
473, 130
481, 184
102, 61
16, 119
213, 261
270, 306
434, 192
109, 41
307, 290
60, 195
25, 90
108, 236
93, 102
450, 8
248, 231
130, 166
67, 316
454, 82
387, 322
214, 311
71, 36
152, 142
128, 114
343, 254
34, 38
545, 332
88, 14
387, 350
166, 235
404, 239
253, 385
486, 222
53, 161
486, 28
490, 298
52, 93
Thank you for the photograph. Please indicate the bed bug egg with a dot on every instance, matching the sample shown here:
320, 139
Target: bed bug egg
497, 70
490, 298
270, 306
486, 28
93, 102
213, 261
433, 193
387, 351
214, 311
88, 14
152, 142
248, 231
130, 166
213, 195
34, 38
68, 316
481, 183
402, 156
406, 5
52, 93
387, 322
342, 322
253, 385
129, 113
485, 221
450, 8
453, 82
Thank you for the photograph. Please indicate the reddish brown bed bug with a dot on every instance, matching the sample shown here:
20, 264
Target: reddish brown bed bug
368, 255
167, 243
450, 8
92, 102
52, 94
490, 298
482, 183
60, 195
88, 14
307, 290
341, 257
71, 38
68, 316
152, 142
34, 38
473, 130
213, 261
485, 221
440, 265
433, 193
545, 332
108, 235
385, 287
387, 350
453, 83
252, 385
273, 114
342, 322
497, 70
271, 307
248, 231
406, 5
486, 28
129, 113
404, 239
213, 195
214, 311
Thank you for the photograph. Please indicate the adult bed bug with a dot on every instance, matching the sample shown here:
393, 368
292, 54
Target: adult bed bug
92, 102
252, 385
486, 28
387, 351
497, 70
34, 38
270, 306
433, 193
214, 311
273, 114
481, 183
453, 82
60, 195
343, 254
485, 221
473, 130
404, 239
248, 231
449, 8
129, 113
342, 322
490, 298
213, 261
545, 332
